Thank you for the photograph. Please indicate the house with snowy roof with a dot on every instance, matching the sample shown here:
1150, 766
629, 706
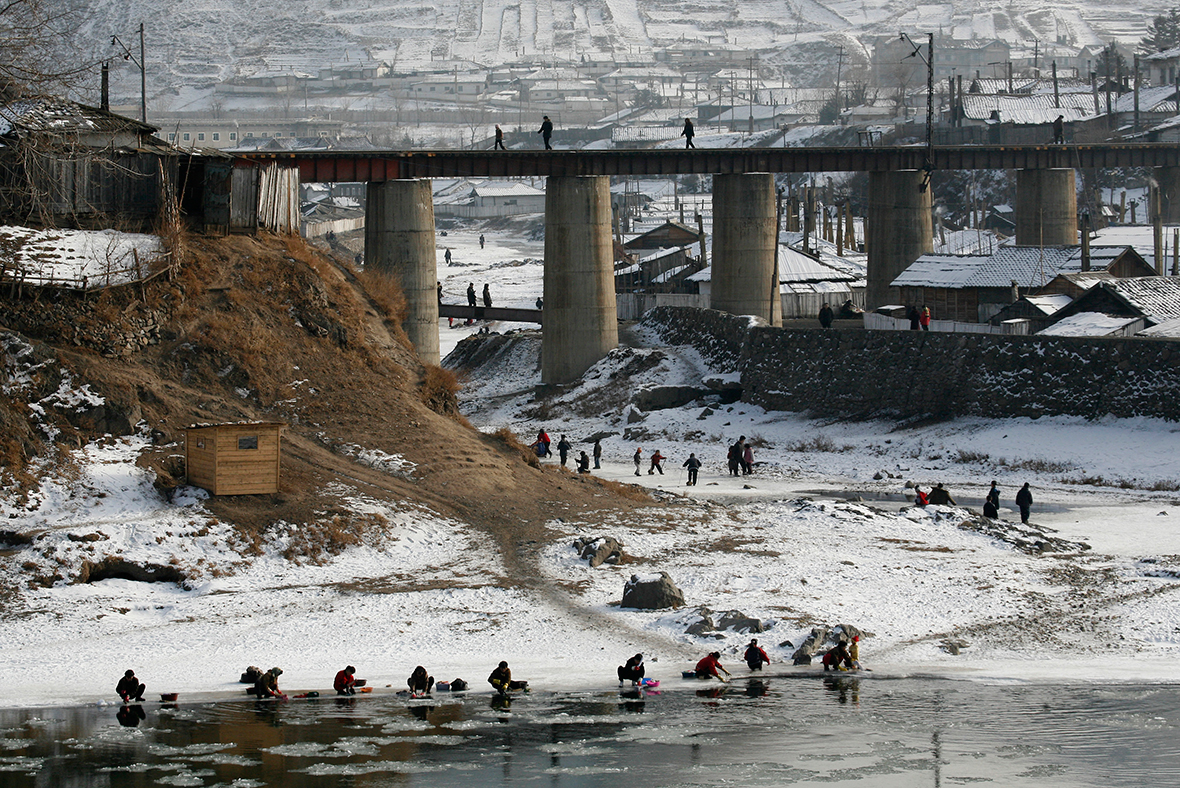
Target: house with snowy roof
1119, 307
974, 288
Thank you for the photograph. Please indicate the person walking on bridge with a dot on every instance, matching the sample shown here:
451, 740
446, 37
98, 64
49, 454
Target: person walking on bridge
546, 132
499, 138
487, 296
688, 133
470, 299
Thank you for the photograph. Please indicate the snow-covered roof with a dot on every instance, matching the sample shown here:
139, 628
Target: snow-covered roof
1101, 257
1087, 324
501, 189
59, 116
795, 266
1155, 297
1154, 99
1035, 109
1028, 266
1050, 304
1168, 328
302, 144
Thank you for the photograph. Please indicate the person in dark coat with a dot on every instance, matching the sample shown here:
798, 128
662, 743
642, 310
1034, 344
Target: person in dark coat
499, 145
583, 463
481, 240
693, 465
440, 292
501, 680
563, 449
826, 315
447, 256
991, 504
915, 318
688, 133
487, 296
838, 655
597, 453
755, 656
129, 688
633, 671
267, 685
419, 681
1024, 502
940, 497
471, 294
1059, 130
546, 131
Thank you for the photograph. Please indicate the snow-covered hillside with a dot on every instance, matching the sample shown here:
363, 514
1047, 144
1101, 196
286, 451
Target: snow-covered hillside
203, 41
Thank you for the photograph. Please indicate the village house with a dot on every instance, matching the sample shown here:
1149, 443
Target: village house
1119, 307
975, 288
66, 164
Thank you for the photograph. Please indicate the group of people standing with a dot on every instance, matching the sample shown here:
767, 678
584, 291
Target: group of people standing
919, 317
940, 496
741, 458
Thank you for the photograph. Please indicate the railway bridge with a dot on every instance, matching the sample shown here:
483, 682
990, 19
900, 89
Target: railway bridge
580, 316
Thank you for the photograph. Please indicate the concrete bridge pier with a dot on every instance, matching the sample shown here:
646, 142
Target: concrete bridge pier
899, 229
581, 320
1168, 179
399, 244
1046, 208
745, 224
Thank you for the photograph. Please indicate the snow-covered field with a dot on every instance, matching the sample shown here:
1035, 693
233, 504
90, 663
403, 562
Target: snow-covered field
789, 545
80, 258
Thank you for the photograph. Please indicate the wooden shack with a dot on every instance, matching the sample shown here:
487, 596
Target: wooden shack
234, 459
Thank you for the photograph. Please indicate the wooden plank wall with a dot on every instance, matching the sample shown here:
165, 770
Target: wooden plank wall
200, 462
248, 471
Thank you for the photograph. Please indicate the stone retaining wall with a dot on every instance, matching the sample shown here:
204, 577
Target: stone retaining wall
718, 336
855, 373
903, 374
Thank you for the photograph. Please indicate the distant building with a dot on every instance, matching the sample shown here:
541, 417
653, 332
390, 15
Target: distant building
975, 288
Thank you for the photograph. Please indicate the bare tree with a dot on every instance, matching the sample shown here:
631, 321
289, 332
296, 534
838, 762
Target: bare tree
35, 39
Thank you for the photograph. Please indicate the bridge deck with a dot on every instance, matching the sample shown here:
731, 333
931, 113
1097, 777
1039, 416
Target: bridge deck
508, 314
346, 166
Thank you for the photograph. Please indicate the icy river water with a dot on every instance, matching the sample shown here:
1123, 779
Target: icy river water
779, 731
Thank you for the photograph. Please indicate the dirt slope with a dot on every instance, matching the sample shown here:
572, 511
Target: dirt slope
268, 328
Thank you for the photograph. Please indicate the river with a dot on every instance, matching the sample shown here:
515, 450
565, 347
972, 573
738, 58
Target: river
776, 731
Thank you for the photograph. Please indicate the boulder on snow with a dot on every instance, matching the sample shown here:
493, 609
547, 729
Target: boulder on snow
706, 626
652, 592
599, 550
740, 622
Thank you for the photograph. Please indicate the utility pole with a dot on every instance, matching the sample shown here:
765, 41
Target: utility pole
839, 68
127, 55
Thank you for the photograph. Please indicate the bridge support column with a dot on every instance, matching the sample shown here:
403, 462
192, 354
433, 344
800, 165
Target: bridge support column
745, 223
1046, 208
580, 322
1169, 186
898, 231
399, 244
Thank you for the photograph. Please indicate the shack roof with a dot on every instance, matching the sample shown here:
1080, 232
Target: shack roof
60, 116
1087, 324
1028, 110
1028, 266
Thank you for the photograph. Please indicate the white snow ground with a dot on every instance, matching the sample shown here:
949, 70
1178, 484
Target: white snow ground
422, 592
